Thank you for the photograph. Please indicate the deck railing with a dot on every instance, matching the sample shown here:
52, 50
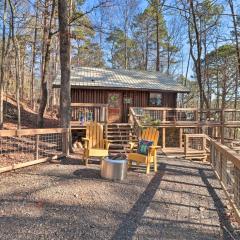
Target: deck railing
225, 163
195, 146
184, 116
25, 147
158, 116
81, 113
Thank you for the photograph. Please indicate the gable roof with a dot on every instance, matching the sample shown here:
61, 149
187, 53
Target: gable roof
86, 77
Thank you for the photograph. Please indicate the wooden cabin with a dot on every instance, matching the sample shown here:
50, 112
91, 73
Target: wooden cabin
122, 89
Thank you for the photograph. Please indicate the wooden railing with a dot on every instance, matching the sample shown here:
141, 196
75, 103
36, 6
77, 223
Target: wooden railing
25, 147
155, 116
81, 113
195, 146
133, 119
226, 164
224, 161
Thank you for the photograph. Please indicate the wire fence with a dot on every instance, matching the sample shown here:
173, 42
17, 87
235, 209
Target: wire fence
226, 164
195, 146
21, 146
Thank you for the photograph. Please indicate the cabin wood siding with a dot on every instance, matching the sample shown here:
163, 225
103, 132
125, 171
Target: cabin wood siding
138, 98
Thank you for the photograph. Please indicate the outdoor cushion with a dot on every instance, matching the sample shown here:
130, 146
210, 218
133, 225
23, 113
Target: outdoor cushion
143, 146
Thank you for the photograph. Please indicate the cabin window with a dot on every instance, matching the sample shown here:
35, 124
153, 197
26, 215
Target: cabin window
155, 99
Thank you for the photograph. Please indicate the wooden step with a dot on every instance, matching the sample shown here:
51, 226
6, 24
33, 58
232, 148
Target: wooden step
119, 130
119, 145
119, 141
119, 136
123, 138
120, 127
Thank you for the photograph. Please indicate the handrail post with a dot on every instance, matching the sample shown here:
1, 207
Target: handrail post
181, 137
185, 144
163, 138
164, 115
222, 126
37, 147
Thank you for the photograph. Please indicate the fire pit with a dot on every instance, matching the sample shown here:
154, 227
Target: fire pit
114, 169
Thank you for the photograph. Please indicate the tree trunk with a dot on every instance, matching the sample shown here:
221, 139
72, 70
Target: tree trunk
2, 63
22, 63
17, 65
158, 44
45, 63
146, 50
34, 58
238, 58
197, 60
65, 91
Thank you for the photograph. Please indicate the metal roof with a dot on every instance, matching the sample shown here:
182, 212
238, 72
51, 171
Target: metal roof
86, 77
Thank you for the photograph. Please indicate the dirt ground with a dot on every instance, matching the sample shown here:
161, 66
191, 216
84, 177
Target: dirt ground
70, 201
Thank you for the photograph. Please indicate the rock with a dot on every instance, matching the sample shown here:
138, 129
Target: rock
201, 209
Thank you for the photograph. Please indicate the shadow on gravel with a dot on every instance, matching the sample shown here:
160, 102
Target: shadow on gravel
78, 161
130, 223
223, 219
88, 173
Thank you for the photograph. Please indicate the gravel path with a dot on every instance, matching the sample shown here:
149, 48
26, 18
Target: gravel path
69, 201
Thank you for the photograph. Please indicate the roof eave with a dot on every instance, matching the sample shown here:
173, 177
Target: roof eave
125, 89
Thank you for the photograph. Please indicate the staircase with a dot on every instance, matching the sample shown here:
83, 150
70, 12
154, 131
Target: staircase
119, 135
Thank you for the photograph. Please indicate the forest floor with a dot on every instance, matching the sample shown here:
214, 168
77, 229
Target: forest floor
18, 149
66, 200
28, 116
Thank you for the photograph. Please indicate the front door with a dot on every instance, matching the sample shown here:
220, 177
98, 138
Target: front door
114, 107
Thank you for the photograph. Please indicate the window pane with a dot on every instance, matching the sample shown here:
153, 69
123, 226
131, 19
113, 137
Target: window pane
155, 99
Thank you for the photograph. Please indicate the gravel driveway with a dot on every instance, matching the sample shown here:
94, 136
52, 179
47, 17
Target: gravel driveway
70, 201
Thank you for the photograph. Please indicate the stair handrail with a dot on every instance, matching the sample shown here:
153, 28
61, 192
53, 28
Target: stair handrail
135, 122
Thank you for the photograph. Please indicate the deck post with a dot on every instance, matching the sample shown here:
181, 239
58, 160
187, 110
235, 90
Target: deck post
181, 137
185, 144
106, 122
37, 147
222, 125
163, 138
164, 116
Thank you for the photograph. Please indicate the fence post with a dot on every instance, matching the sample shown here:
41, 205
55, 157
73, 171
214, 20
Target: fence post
37, 147
181, 137
220, 166
212, 158
185, 144
65, 145
236, 187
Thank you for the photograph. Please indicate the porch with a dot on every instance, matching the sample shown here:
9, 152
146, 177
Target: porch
184, 200
173, 124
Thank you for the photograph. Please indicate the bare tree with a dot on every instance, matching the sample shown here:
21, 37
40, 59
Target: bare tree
17, 63
34, 43
47, 36
236, 36
65, 91
2, 63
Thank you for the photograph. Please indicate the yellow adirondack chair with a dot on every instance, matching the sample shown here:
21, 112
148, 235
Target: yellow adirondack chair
150, 134
95, 145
